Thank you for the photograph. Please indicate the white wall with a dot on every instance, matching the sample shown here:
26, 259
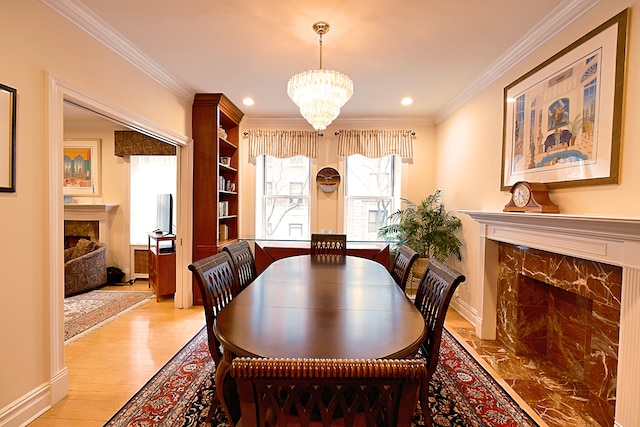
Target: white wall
37, 42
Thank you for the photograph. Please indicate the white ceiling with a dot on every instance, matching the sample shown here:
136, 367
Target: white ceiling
437, 52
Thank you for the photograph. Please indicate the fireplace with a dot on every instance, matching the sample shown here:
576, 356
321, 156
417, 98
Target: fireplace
564, 310
76, 230
532, 264
88, 221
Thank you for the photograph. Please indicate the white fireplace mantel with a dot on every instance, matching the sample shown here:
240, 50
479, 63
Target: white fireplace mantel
609, 240
100, 212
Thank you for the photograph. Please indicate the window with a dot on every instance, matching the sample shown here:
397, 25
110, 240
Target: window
372, 188
296, 188
284, 199
150, 176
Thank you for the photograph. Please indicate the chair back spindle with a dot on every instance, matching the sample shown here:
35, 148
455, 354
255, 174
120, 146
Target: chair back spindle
329, 244
404, 260
244, 262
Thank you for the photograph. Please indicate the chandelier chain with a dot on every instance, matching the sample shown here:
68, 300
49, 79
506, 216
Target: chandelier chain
320, 93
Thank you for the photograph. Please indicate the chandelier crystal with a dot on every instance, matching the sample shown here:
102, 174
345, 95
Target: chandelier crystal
320, 93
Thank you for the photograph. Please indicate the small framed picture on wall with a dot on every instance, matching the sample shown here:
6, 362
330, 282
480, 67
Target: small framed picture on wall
81, 167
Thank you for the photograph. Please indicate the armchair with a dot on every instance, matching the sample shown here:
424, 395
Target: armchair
86, 272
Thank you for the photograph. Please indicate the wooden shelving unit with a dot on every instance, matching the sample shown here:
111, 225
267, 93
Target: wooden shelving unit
215, 183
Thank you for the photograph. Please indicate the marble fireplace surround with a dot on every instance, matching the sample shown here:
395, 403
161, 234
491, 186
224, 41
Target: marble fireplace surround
614, 241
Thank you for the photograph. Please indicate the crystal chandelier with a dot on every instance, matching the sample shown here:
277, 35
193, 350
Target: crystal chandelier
320, 93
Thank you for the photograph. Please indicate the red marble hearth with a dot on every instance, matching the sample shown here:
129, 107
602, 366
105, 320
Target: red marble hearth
565, 310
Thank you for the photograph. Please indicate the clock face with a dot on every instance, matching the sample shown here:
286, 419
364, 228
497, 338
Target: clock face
521, 195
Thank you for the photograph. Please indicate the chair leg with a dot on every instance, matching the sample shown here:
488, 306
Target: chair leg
424, 404
215, 402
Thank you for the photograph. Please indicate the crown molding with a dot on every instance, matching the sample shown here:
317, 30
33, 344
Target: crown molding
92, 24
289, 122
557, 20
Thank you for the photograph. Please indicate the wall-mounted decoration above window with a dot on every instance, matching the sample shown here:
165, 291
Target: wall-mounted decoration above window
81, 167
328, 179
563, 119
7, 139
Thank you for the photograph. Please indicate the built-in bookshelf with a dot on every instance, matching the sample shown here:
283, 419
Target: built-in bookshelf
216, 138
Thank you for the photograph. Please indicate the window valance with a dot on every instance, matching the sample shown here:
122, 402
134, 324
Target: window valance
376, 143
283, 143
132, 143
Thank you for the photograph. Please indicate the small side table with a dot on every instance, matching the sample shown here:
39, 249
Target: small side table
162, 264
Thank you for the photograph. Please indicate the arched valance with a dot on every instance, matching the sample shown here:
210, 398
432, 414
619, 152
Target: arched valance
283, 143
376, 143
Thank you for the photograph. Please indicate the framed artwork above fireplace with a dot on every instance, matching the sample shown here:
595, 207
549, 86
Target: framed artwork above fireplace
81, 167
563, 119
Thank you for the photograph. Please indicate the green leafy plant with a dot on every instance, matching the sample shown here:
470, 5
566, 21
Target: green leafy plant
427, 228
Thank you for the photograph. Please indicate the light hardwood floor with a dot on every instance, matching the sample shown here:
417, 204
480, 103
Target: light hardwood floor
109, 365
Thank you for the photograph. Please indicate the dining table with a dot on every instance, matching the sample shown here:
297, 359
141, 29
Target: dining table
317, 306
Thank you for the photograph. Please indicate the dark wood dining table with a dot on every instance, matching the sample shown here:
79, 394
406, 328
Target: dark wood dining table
309, 306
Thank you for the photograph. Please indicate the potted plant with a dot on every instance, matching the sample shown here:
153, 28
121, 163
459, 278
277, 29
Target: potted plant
427, 228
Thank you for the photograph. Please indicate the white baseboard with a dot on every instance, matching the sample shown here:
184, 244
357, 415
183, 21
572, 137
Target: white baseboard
33, 404
466, 311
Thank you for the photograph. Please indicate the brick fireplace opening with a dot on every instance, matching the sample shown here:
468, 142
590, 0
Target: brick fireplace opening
566, 311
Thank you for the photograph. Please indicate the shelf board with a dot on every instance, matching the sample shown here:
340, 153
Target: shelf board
230, 145
228, 168
228, 217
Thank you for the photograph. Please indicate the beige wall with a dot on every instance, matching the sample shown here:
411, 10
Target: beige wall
37, 41
461, 156
470, 143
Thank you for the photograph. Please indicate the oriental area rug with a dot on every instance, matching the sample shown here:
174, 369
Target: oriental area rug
84, 312
181, 393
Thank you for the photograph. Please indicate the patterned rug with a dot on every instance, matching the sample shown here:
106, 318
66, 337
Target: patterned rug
86, 311
181, 393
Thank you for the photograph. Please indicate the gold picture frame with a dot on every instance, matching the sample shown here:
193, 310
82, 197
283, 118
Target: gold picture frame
563, 119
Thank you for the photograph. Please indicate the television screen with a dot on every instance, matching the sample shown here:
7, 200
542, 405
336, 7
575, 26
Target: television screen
164, 218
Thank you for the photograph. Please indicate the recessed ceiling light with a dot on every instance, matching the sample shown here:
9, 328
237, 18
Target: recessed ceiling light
247, 101
406, 101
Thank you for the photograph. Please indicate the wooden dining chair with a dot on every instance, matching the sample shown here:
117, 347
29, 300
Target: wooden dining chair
402, 265
432, 300
326, 244
327, 392
244, 262
218, 283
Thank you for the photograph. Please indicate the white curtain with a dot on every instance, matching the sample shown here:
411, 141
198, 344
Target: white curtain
283, 143
376, 143
150, 176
